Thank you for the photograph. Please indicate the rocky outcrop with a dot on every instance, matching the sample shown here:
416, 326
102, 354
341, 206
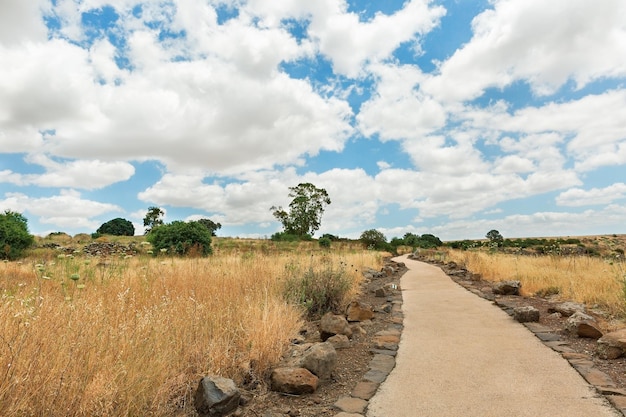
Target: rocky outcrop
612, 345
292, 380
507, 287
216, 397
359, 312
320, 359
567, 308
526, 314
583, 325
332, 324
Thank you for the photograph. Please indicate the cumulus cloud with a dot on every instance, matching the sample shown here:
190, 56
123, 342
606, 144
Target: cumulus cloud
577, 197
543, 44
67, 209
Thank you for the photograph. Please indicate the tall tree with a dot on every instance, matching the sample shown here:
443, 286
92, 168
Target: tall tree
305, 210
211, 225
154, 217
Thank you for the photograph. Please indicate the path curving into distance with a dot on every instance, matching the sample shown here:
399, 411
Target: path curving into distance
461, 356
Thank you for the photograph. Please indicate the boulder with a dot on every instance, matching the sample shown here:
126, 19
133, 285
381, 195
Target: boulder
216, 397
320, 359
612, 345
526, 314
339, 341
583, 325
507, 287
332, 324
359, 312
567, 308
292, 380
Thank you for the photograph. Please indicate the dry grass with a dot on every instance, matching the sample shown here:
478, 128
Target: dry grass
133, 337
589, 280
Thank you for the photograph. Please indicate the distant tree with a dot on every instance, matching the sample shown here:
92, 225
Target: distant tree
211, 225
324, 242
154, 217
14, 235
181, 238
428, 241
117, 227
373, 239
495, 237
305, 210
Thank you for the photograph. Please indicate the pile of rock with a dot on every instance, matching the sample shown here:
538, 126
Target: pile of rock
110, 249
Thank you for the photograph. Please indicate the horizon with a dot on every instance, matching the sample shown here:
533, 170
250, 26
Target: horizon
422, 116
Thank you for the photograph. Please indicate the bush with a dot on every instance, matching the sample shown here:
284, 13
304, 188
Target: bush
117, 227
181, 238
324, 242
289, 237
14, 236
318, 291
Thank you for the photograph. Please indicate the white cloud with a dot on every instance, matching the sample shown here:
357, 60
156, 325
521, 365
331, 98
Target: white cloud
544, 44
89, 175
67, 210
577, 197
17, 23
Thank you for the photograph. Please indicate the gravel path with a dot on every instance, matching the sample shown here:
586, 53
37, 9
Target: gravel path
462, 356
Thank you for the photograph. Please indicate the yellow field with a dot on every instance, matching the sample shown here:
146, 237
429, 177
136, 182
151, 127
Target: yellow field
589, 280
132, 337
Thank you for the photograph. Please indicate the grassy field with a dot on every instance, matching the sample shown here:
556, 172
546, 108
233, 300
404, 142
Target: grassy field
590, 280
132, 336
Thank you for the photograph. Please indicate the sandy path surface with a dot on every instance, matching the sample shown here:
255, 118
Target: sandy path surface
461, 356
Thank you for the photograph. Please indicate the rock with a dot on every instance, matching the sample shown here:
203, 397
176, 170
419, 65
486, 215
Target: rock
332, 324
381, 292
359, 312
507, 287
612, 345
351, 405
583, 325
292, 380
567, 308
526, 314
216, 397
339, 341
320, 359
365, 390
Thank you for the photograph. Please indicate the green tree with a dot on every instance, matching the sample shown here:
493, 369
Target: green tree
305, 210
181, 238
495, 237
373, 239
14, 235
211, 225
117, 227
154, 217
428, 241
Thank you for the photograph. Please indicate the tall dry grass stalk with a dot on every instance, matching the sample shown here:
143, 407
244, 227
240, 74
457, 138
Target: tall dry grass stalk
133, 337
584, 279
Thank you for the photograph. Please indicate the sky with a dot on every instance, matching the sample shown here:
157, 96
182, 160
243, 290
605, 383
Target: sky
448, 117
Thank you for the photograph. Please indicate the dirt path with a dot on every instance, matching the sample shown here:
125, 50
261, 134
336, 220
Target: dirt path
462, 356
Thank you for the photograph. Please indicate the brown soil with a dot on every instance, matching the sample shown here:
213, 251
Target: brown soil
352, 363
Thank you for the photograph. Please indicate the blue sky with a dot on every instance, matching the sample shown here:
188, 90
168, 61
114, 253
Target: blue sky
445, 117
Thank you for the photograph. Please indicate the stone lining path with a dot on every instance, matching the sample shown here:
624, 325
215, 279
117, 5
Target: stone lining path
460, 356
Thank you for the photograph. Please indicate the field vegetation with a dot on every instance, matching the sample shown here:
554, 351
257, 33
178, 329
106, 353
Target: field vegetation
133, 335
596, 277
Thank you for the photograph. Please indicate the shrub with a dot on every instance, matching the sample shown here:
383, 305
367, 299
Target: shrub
14, 236
324, 242
181, 238
318, 291
117, 227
